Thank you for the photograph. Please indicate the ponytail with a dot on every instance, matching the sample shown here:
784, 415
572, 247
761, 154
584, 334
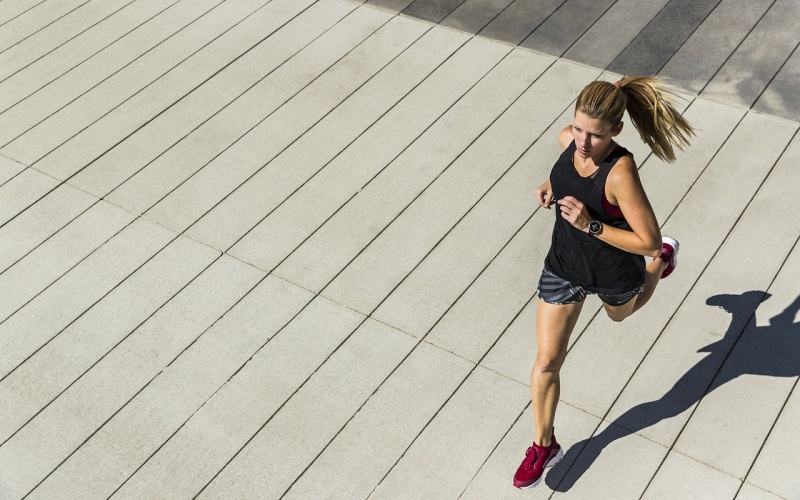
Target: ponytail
651, 108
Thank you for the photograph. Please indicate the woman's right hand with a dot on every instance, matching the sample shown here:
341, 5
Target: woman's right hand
544, 195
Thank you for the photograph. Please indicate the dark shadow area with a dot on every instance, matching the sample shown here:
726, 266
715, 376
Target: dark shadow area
554, 27
745, 349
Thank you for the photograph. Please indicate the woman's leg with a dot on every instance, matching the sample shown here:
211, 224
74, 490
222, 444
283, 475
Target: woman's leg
652, 276
554, 324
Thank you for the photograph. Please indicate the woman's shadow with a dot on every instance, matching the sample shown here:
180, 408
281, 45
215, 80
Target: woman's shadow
771, 350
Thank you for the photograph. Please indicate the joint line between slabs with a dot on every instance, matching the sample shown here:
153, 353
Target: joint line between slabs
151, 83
375, 176
221, 110
220, 2
21, 13
292, 142
171, 105
108, 44
40, 29
69, 40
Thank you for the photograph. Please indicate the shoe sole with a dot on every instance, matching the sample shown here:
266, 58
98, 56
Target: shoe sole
551, 463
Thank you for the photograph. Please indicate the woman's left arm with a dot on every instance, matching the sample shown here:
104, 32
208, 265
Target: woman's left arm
624, 188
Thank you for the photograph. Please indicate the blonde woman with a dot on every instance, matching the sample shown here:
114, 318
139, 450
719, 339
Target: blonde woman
604, 229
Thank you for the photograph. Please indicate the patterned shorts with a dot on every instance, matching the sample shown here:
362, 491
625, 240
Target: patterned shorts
555, 290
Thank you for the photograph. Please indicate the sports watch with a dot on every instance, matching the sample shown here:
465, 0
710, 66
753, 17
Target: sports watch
595, 228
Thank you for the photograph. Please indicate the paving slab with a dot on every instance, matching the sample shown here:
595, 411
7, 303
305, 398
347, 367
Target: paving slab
468, 327
519, 19
378, 155
346, 233
156, 413
64, 356
9, 169
780, 96
626, 467
693, 359
613, 31
431, 10
223, 425
707, 50
48, 99
340, 160
34, 273
14, 8
55, 433
53, 35
22, 191
76, 151
292, 438
714, 124
494, 479
750, 492
353, 464
750, 69
39, 222
662, 37
682, 477
156, 179
94, 277
756, 379
756, 389
426, 294
286, 226
513, 353
560, 31
30, 19
244, 90
357, 93
452, 448
773, 469
463, 324
396, 251
70, 54
393, 6
473, 15
66, 122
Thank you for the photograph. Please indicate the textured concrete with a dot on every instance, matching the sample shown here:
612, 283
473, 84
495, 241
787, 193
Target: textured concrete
285, 227
279, 248
732, 51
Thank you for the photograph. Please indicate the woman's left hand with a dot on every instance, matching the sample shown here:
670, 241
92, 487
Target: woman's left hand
575, 212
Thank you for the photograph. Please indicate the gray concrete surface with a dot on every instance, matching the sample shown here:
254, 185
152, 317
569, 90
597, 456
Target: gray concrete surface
289, 248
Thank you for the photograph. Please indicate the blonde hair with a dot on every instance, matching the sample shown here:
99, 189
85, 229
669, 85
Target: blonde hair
651, 108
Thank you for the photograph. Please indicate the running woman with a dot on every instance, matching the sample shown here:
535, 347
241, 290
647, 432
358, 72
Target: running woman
604, 229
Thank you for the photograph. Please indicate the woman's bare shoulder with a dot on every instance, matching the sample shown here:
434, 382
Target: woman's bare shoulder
624, 174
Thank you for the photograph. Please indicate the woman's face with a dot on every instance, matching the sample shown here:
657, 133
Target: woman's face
592, 135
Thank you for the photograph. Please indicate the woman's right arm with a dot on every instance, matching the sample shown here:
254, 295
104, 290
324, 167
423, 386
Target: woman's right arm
544, 194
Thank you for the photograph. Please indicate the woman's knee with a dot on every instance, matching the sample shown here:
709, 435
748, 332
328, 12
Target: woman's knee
616, 316
618, 313
546, 363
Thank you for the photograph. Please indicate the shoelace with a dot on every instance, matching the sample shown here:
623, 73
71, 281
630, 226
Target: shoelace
530, 458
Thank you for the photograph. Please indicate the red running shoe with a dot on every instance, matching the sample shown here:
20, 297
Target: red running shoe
669, 254
537, 459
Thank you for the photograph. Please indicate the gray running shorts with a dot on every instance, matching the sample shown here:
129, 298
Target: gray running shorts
556, 290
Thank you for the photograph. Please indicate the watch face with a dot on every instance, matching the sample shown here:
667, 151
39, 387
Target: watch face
594, 227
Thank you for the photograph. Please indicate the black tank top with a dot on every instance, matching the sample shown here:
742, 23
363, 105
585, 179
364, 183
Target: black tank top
578, 257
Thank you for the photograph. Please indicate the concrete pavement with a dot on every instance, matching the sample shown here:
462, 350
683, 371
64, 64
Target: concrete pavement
288, 248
